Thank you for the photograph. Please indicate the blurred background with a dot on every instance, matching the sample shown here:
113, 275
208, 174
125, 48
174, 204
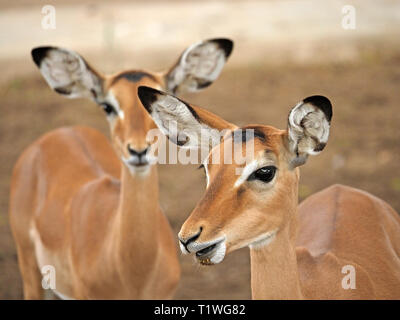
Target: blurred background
284, 51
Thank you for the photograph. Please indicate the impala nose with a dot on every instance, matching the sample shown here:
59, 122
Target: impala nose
139, 156
185, 241
134, 152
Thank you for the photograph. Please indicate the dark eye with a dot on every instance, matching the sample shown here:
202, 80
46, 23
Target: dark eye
108, 108
264, 174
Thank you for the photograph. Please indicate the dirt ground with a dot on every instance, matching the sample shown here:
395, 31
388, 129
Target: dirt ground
363, 150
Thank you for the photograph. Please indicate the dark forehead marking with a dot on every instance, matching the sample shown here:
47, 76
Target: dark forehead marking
133, 76
241, 134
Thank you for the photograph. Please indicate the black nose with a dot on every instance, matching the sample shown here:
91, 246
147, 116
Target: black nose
185, 242
140, 158
134, 152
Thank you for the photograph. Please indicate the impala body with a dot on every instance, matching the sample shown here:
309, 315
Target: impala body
89, 208
296, 252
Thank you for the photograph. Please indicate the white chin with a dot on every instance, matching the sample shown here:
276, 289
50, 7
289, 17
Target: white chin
139, 170
217, 256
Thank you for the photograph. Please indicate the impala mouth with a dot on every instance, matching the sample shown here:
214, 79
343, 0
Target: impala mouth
135, 162
212, 254
141, 164
138, 165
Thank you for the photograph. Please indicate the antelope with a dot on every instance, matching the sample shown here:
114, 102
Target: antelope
295, 253
89, 208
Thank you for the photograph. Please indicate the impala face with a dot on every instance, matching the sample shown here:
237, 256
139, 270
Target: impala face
244, 205
70, 75
129, 123
245, 209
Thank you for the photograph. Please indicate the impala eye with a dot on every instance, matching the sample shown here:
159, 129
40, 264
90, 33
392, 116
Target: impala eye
264, 174
108, 108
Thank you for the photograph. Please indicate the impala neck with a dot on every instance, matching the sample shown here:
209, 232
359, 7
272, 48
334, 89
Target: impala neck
138, 210
274, 272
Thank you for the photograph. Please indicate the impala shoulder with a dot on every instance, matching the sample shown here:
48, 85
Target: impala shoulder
71, 131
104, 183
61, 135
100, 194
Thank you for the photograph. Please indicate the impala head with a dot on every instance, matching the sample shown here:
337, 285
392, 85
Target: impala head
70, 75
244, 204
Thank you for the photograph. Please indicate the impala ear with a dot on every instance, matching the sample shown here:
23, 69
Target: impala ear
198, 66
185, 125
67, 73
308, 128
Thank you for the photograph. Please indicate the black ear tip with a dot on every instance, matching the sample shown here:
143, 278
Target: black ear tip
147, 92
318, 100
39, 53
225, 44
148, 96
322, 103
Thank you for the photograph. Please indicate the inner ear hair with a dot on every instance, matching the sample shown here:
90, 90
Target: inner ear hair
195, 127
308, 128
68, 73
198, 66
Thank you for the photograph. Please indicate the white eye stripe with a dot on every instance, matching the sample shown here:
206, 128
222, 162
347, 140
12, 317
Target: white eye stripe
207, 175
250, 168
114, 102
205, 166
246, 172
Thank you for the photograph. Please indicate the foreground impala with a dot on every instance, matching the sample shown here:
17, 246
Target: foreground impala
295, 252
88, 208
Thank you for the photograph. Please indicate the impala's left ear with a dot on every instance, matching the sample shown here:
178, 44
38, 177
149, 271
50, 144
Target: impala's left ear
198, 66
185, 125
67, 73
308, 128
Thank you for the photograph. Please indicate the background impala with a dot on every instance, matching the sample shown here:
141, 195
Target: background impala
92, 212
279, 58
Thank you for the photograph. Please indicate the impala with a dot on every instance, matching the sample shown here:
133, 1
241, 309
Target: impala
295, 252
89, 208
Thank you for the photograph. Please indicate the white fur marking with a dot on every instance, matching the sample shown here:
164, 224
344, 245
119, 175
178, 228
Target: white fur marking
205, 165
219, 255
247, 171
263, 240
114, 102
62, 296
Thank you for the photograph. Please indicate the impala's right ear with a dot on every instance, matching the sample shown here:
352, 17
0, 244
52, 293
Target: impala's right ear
308, 128
198, 66
67, 73
185, 125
